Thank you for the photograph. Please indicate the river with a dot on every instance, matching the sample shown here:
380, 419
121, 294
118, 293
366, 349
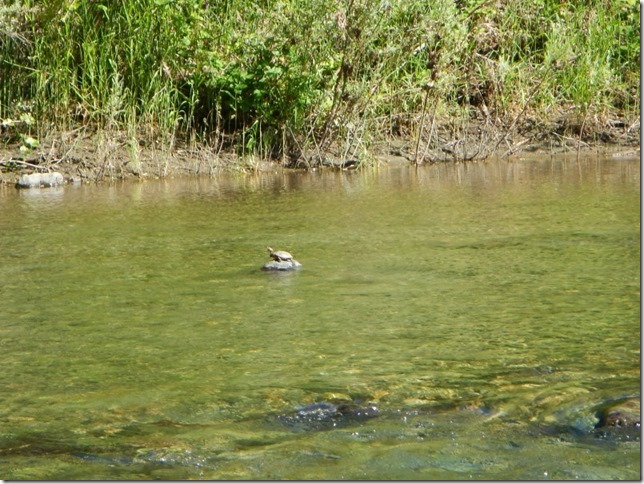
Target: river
485, 309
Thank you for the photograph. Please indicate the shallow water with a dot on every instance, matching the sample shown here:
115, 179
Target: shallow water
486, 309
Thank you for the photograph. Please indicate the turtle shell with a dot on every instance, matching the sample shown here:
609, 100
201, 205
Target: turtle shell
280, 255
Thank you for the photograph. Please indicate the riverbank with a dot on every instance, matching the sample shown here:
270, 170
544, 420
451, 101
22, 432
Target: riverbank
93, 157
149, 88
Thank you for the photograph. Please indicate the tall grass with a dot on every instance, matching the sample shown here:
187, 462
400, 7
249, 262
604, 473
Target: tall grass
282, 78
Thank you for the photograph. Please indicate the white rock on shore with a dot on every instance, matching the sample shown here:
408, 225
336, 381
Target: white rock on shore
38, 180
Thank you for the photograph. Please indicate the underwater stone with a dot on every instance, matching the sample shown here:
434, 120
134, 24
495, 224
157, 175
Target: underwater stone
328, 415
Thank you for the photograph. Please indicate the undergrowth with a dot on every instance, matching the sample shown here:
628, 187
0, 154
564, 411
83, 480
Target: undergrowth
286, 78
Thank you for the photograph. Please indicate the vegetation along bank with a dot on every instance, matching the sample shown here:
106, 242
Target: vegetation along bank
107, 89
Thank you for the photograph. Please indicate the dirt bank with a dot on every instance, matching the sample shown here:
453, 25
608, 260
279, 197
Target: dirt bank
100, 156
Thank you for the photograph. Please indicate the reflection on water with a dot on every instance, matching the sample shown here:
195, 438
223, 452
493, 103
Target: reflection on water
485, 309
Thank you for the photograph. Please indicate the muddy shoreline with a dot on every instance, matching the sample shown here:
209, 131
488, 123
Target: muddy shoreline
100, 157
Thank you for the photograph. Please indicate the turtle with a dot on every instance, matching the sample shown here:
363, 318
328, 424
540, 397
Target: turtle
280, 255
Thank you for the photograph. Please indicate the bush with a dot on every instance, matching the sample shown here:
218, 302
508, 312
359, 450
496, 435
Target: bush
277, 76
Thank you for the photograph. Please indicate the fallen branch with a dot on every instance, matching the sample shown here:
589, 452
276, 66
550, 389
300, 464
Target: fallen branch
24, 163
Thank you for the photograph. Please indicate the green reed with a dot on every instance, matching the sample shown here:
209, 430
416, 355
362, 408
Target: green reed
280, 76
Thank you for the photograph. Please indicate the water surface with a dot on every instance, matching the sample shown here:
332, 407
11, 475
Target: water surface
484, 308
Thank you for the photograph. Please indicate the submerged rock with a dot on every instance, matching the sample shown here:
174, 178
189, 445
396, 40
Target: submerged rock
150, 457
619, 420
37, 180
615, 419
327, 415
625, 413
103, 459
282, 265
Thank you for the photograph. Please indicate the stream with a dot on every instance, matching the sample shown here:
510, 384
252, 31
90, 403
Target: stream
485, 310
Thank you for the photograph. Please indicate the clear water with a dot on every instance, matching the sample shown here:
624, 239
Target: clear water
484, 308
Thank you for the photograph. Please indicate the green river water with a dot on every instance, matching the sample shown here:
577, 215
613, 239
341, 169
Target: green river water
485, 309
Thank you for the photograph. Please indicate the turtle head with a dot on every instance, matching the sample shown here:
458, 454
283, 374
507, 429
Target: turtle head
270, 250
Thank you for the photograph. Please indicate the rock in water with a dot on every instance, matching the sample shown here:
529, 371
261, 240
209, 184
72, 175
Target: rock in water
37, 180
328, 415
619, 420
288, 265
